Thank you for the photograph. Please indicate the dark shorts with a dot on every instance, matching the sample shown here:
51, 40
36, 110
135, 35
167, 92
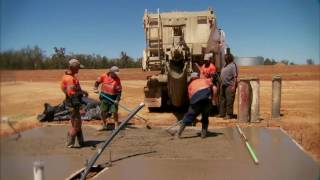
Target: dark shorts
74, 101
74, 104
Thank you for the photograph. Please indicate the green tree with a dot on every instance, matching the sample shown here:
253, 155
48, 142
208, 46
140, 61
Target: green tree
267, 61
310, 61
34, 58
58, 58
26, 58
285, 62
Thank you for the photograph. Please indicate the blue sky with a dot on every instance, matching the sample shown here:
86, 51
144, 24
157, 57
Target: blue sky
284, 29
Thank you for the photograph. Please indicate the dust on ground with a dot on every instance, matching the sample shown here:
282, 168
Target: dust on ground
23, 94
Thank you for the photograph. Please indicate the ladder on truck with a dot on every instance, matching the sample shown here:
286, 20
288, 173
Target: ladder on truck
154, 45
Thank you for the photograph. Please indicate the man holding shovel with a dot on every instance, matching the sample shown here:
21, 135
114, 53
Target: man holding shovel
111, 88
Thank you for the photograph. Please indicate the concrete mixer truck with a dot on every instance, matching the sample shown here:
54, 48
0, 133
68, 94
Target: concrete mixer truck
175, 41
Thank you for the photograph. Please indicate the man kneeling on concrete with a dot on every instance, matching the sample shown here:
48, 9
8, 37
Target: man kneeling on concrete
110, 95
199, 91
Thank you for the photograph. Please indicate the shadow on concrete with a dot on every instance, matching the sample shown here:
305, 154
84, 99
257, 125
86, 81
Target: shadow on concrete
209, 134
214, 134
91, 143
133, 155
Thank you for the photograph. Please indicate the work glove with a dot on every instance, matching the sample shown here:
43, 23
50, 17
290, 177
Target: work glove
116, 101
85, 93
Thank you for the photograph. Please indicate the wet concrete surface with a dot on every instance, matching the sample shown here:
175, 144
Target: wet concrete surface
225, 158
47, 145
138, 153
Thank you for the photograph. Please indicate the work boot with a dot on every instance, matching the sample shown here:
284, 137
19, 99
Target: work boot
70, 141
80, 138
204, 131
181, 129
172, 133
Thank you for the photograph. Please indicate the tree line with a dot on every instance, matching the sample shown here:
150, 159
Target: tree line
268, 61
35, 58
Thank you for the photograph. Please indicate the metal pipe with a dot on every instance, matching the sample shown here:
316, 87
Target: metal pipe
38, 170
244, 100
276, 96
108, 141
250, 149
255, 100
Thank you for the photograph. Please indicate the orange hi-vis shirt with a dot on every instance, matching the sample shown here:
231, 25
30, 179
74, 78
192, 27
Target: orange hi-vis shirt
110, 85
70, 84
197, 85
205, 72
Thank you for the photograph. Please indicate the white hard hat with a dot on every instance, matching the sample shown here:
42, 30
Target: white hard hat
114, 69
194, 75
208, 56
74, 63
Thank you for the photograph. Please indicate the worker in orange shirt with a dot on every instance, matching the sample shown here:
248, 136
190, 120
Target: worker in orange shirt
199, 91
71, 88
208, 71
208, 68
111, 88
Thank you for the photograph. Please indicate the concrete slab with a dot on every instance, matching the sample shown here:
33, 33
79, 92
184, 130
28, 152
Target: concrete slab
47, 145
138, 153
279, 156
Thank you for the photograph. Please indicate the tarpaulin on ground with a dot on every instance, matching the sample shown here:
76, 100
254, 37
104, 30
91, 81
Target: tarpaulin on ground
89, 110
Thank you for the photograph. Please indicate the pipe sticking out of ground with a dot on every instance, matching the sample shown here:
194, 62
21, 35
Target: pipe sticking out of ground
38, 170
250, 149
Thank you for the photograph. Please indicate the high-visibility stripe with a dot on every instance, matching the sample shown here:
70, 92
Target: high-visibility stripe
197, 85
110, 85
70, 84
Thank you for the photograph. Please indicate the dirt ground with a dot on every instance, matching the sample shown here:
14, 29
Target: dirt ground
23, 94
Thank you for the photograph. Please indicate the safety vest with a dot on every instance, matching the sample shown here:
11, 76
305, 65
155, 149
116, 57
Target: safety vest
109, 85
70, 84
197, 85
205, 72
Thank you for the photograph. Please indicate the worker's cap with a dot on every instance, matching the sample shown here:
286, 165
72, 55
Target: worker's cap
115, 70
194, 75
75, 63
208, 56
